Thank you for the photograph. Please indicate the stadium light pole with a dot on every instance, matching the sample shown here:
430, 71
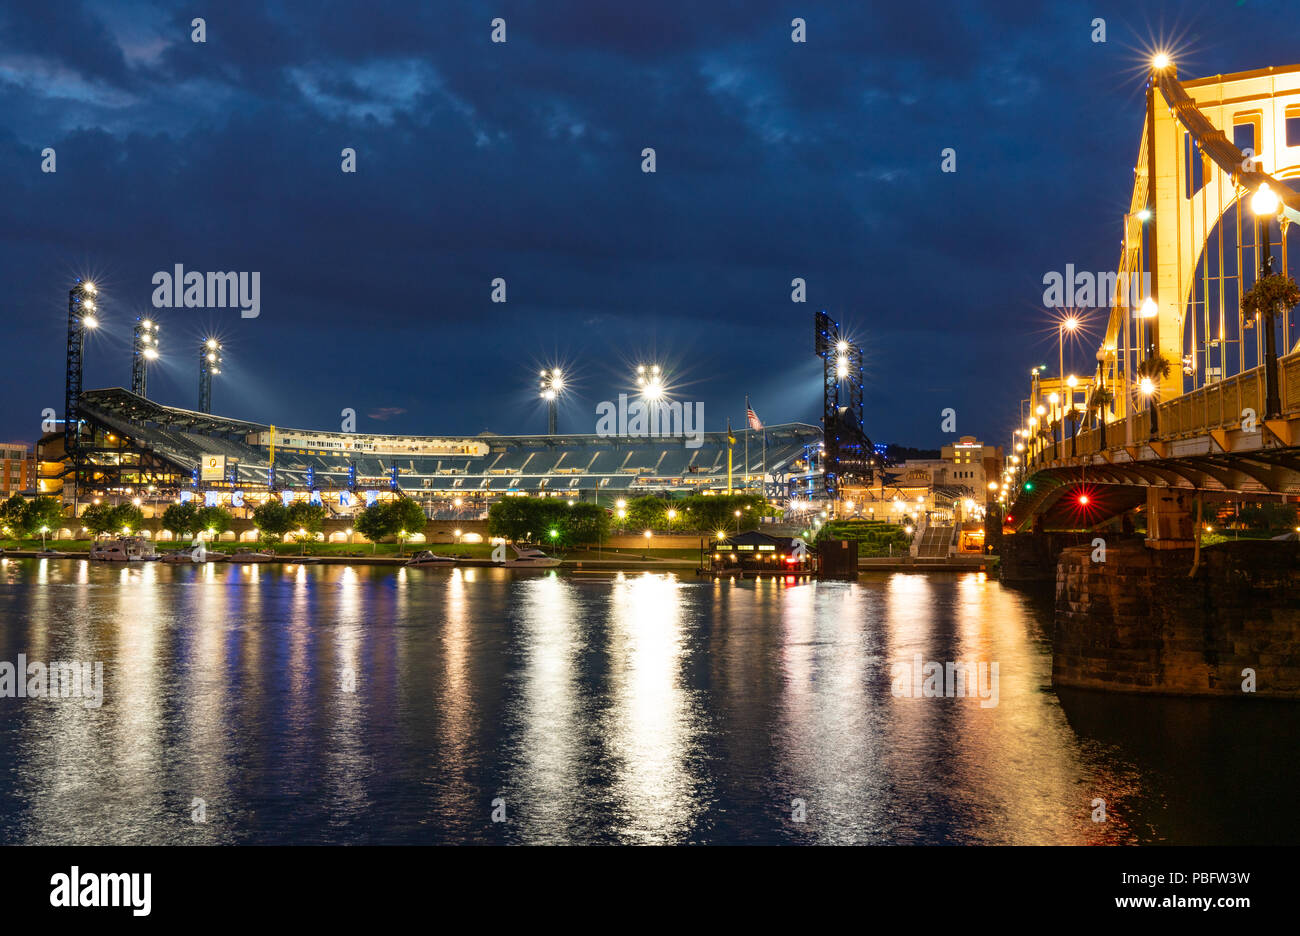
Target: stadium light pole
144, 348
552, 386
82, 314
209, 364
651, 381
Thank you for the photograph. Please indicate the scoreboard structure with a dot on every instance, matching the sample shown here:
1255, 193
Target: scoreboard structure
848, 458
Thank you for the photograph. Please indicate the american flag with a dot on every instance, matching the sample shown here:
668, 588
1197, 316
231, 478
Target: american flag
753, 417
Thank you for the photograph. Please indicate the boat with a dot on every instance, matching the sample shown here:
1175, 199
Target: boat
49, 554
187, 555
529, 559
123, 549
425, 557
251, 555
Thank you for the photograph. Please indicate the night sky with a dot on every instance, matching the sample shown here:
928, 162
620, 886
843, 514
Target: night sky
523, 161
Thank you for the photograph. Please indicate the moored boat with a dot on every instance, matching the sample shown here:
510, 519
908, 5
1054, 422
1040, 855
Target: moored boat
529, 559
251, 555
123, 549
425, 557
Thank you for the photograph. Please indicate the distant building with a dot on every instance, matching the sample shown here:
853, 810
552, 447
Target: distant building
17, 469
938, 488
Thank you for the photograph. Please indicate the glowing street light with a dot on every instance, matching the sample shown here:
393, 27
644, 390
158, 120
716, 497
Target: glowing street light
1160, 61
1264, 203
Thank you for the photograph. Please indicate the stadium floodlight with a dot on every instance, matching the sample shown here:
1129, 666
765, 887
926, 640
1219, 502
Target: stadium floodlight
209, 365
144, 348
651, 381
552, 385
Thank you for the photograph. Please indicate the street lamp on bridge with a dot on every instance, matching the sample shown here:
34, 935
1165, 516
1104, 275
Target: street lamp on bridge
1264, 203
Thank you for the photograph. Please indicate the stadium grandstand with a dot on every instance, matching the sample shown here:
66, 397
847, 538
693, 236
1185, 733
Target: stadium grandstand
132, 446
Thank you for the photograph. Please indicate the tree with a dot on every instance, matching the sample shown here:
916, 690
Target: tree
42, 512
126, 518
409, 517
98, 519
707, 513
13, 514
375, 522
178, 519
307, 517
272, 519
646, 513
585, 524
215, 519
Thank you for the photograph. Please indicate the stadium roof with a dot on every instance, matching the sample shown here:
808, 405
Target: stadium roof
451, 463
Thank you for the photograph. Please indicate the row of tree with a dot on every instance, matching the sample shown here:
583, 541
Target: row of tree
554, 521
101, 518
24, 519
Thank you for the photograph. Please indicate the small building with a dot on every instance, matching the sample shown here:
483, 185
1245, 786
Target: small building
756, 552
17, 469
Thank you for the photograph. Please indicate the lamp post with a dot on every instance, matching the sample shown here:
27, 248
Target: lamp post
1264, 203
1146, 385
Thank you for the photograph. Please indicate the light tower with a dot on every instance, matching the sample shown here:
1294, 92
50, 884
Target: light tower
848, 455
651, 381
144, 348
81, 316
552, 385
209, 364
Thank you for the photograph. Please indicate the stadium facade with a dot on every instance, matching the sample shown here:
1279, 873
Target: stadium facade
132, 447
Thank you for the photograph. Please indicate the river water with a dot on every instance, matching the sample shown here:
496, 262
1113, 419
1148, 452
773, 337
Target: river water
328, 704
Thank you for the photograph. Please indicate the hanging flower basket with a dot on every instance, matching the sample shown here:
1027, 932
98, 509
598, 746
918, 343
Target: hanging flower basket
1269, 294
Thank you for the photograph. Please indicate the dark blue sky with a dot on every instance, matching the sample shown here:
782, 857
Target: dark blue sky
523, 160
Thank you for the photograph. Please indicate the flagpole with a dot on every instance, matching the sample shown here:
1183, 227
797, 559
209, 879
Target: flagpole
748, 433
731, 442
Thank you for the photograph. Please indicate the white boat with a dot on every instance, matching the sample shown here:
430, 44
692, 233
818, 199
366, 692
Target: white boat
250, 555
123, 549
529, 559
428, 558
187, 555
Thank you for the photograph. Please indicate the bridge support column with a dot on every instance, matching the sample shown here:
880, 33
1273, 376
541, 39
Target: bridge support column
1170, 522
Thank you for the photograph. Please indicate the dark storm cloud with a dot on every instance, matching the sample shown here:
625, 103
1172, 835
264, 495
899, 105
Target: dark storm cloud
476, 160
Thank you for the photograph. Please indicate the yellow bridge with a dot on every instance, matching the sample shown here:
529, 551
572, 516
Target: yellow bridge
1196, 391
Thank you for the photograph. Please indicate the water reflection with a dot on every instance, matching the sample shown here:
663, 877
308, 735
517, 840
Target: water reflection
312, 703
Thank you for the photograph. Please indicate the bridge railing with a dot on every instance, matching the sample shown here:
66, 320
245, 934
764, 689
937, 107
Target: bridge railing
1215, 406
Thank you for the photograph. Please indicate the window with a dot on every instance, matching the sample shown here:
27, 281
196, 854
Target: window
1293, 125
1245, 130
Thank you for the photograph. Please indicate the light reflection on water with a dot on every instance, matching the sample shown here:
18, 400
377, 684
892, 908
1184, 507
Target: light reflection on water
312, 703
